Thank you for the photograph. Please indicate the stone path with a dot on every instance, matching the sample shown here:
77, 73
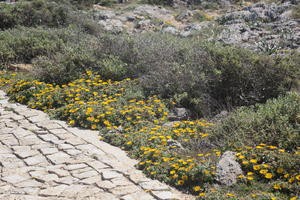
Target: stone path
45, 159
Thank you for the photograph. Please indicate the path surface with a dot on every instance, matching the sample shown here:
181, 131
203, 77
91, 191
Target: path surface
45, 159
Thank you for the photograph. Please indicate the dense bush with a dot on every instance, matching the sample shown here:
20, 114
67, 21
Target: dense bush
33, 13
21, 45
277, 122
205, 77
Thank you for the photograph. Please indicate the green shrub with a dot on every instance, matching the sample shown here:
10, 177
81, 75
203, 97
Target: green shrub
205, 77
275, 123
161, 2
34, 13
21, 45
65, 66
296, 12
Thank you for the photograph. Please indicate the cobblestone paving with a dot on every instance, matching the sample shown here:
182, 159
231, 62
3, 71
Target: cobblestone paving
45, 159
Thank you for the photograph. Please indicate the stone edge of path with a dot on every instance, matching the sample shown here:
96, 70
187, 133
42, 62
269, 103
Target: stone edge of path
118, 158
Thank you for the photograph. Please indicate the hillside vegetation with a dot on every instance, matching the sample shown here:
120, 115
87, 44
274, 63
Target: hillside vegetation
130, 86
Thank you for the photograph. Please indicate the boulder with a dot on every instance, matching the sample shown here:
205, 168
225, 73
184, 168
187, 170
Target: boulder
179, 114
228, 169
170, 30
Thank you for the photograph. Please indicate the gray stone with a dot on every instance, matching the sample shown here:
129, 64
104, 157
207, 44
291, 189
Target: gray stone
154, 185
123, 190
35, 160
105, 184
228, 169
53, 191
170, 30
137, 196
49, 150
26, 154
91, 180
164, 195
13, 179
86, 174
59, 172
59, 158
75, 166
109, 174
179, 114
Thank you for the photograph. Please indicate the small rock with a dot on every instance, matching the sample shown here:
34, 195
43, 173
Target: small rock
179, 114
228, 169
170, 30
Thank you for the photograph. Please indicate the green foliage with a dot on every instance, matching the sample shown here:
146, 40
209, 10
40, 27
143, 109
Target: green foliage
296, 12
205, 77
21, 45
33, 13
161, 2
277, 122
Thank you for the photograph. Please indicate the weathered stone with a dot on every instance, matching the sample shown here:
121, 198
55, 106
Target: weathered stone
228, 169
75, 166
97, 165
105, 184
26, 154
154, 185
90, 149
65, 146
49, 150
86, 174
13, 179
35, 160
123, 190
73, 152
48, 137
53, 191
59, 158
165, 195
137, 196
91, 180
109, 174
59, 172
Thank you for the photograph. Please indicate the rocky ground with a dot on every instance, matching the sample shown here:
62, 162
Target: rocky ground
45, 159
268, 27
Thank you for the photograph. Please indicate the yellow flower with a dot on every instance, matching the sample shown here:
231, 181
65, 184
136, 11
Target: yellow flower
172, 172
250, 173
201, 194
180, 182
94, 126
293, 198
184, 177
241, 157
256, 167
245, 162
197, 188
279, 170
298, 177
263, 171
286, 175
250, 178
72, 122
276, 186
269, 175
253, 161
230, 195
129, 142
253, 195
291, 180
265, 165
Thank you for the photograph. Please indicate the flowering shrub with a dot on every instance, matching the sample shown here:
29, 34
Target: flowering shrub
139, 125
